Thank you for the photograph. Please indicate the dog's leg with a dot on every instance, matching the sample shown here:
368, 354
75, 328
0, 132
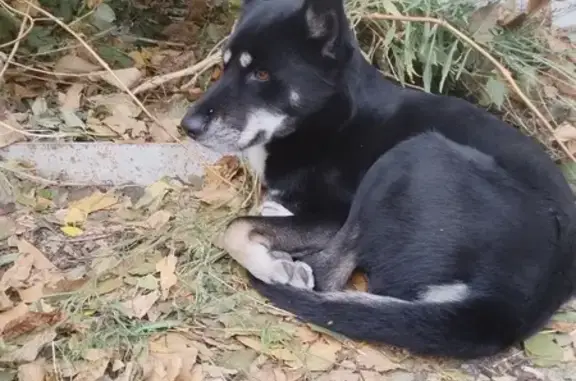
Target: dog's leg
264, 245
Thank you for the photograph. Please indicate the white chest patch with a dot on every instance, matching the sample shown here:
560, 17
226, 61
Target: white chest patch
260, 121
256, 156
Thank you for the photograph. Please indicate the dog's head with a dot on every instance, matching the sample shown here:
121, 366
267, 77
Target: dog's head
281, 64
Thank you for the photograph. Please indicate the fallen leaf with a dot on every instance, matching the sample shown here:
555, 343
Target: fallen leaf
10, 136
340, 375
72, 231
16, 275
171, 358
372, 359
74, 64
158, 219
71, 100
29, 351
153, 195
544, 350
109, 285
34, 371
140, 305
32, 294
565, 132
79, 210
482, 21
167, 266
8, 317
32, 321
306, 335
370, 376
40, 260
92, 370
129, 77
321, 355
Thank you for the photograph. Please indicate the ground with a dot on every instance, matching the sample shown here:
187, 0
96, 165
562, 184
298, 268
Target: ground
127, 283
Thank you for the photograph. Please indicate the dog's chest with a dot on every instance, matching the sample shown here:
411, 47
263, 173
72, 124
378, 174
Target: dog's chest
256, 157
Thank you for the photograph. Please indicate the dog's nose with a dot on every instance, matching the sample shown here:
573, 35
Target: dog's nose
194, 124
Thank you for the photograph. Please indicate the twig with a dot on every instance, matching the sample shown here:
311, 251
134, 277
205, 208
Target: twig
159, 80
505, 72
37, 179
21, 35
31, 134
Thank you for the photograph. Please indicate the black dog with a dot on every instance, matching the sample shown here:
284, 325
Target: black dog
463, 226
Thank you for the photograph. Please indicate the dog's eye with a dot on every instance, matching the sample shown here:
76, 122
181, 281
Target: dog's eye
262, 75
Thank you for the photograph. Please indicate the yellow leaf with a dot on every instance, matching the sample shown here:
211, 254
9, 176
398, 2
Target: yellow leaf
96, 201
167, 266
71, 231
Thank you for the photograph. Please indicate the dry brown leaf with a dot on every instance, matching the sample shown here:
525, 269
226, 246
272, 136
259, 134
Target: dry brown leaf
40, 260
34, 371
197, 374
158, 219
372, 359
565, 132
129, 77
306, 335
92, 370
32, 294
16, 275
220, 195
321, 355
8, 136
140, 305
109, 285
153, 195
117, 103
340, 375
71, 100
167, 266
75, 65
29, 351
370, 375
171, 358
268, 374
8, 317
78, 211
31, 321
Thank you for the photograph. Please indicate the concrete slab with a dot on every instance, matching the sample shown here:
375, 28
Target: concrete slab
110, 163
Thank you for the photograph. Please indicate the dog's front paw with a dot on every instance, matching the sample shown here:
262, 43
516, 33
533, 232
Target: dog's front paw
296, 274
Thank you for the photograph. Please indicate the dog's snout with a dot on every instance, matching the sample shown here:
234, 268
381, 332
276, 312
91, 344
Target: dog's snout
195, 124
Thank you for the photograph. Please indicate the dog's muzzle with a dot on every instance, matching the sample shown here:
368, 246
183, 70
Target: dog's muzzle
195, 123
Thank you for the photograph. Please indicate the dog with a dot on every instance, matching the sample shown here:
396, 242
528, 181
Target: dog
464, 227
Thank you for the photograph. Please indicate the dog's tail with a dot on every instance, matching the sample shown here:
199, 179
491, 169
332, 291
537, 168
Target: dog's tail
465, 329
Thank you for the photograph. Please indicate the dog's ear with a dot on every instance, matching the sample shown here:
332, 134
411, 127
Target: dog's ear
324, 20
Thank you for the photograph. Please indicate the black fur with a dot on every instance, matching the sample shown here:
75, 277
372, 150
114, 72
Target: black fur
414, 189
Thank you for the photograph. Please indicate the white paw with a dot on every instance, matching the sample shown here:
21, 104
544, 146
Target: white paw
296, 274
274, 209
